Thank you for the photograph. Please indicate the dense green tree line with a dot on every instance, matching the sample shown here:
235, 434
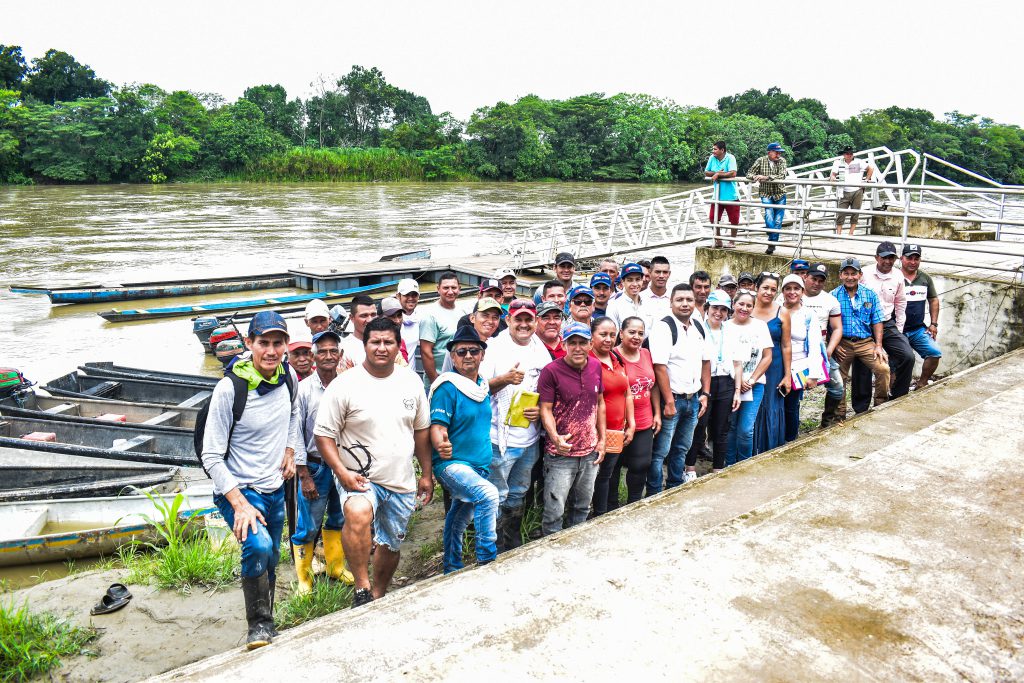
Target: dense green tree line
60, 122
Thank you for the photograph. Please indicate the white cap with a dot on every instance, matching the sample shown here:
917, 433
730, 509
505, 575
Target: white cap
793, 279
504, 272
317, 309
390, 306
407, 285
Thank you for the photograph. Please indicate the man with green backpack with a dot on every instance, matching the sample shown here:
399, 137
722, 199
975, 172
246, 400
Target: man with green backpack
249, 454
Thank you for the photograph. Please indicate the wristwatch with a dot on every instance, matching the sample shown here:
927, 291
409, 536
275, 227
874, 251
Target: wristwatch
702, 393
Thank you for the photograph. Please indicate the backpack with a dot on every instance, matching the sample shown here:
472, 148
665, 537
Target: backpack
241, 387
671, 321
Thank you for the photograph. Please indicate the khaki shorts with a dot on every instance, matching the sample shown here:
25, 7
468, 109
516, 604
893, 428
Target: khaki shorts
851, 200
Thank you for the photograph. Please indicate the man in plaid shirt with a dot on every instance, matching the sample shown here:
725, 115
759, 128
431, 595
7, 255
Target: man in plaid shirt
765, 170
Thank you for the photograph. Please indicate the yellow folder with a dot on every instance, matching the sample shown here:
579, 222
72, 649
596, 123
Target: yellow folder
521, 401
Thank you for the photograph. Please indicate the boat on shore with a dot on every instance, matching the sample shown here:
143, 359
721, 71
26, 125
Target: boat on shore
57, 408
110, 370
117, 316
113, 441
91, 294
34, 475
80, 385
74, 528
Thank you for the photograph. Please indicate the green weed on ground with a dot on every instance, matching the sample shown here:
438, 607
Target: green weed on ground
32, 644
326, 597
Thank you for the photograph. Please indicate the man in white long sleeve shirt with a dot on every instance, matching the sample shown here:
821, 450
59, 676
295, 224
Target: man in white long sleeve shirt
249, 458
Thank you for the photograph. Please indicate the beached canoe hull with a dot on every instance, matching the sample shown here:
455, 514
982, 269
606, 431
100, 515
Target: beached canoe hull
110, 370
117, 436
158, 290
60, 407
94, 526
144, 391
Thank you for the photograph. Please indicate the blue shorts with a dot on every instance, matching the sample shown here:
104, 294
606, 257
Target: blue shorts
923, 344
391, 513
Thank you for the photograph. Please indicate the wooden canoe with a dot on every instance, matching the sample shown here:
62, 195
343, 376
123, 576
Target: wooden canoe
152, 414
142, 390
91, 294
108, 369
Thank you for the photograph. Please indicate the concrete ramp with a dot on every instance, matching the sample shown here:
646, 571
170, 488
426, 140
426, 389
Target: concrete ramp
889, 548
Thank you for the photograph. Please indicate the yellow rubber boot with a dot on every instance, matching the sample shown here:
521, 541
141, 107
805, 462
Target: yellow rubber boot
304, 567
335, 556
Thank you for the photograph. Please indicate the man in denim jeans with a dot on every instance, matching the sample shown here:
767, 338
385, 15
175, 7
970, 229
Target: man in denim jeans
684, 377
572, 412
767, 171
516, 359
317, 491
460, 411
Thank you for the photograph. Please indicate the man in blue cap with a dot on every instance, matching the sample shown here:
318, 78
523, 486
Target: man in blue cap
460, 433
630, 304
601, 286
250, 457
767, 171
572, 413
318, 494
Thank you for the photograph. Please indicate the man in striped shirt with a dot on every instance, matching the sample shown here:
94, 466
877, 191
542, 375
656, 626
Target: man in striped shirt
767, 171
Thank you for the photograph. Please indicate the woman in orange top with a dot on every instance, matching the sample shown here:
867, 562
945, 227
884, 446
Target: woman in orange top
618, 401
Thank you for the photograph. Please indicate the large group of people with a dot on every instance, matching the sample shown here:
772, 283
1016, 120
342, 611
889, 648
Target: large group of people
518, 401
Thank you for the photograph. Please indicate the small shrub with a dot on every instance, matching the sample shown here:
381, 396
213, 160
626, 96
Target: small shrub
326, 597
32, 644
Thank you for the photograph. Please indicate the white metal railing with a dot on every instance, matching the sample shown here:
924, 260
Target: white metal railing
684, 217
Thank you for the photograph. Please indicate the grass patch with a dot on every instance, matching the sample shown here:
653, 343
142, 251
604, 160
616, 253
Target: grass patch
326, 597
32, 644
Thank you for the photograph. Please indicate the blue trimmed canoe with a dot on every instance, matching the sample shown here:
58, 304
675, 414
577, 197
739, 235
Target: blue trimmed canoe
92, 294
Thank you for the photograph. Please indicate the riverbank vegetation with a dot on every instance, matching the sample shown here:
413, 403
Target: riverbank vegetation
61, 123
33, 643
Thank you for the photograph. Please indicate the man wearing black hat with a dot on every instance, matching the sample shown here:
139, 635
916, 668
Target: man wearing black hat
460, 433
767, 171
888, 284
921, 290
565, 269
850, 170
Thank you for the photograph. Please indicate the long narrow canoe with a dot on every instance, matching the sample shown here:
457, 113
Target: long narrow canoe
29, 414
116, 316
118, 437
57, 530
109, 370
35, 475
134, 413
189, 460
78, 385
91, 294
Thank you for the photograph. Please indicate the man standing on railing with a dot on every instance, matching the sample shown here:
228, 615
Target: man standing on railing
767, 171
850, 170
721, 166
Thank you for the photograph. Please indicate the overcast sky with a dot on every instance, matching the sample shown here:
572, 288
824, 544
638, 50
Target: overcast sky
935, 55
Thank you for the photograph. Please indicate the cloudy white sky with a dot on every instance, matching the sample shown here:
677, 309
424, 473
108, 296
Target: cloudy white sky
937, 55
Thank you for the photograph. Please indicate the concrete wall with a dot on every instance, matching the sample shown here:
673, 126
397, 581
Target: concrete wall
978, 320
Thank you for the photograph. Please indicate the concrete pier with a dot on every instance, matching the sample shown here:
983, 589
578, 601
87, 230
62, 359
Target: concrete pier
888, 548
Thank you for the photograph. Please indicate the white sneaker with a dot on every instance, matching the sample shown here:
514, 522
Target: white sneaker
689, 476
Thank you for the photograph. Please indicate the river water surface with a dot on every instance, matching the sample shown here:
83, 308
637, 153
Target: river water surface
122, 233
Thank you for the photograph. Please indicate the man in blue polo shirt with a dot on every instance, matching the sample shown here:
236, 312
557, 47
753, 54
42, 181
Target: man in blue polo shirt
460, 433
863, 316
720, 168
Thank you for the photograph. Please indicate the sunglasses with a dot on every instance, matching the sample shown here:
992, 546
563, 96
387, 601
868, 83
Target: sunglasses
582, 302
768, 273
474, 352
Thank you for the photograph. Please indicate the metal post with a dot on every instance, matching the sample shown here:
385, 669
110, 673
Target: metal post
924, 170
1002, 208
802, 192
906, 218
716, 216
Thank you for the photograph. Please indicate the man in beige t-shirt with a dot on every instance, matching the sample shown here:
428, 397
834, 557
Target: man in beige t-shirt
373, 419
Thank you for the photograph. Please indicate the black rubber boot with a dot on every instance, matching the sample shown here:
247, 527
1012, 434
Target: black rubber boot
828, 416
273, 595
511, 533
258, 612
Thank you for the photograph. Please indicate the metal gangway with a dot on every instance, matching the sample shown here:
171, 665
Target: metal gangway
900, 178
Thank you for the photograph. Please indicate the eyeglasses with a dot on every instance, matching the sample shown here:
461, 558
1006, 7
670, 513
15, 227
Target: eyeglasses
768, 273
582, 302
474, 352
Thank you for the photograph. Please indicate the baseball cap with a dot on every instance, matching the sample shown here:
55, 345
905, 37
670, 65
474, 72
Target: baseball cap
792, 279
600, 279
886, 249
331, 334
522, 306
575, 330
720, 298
489, 283
390, 306
799, 264
300, 344
745, 276
565, 257
580, 289
547, 307
847, 150
631, 269
485, 304
849, 263
466, 333
819, 269
504, 272
317, 309
774, 147
726, 280
909, 249
407, 285
268, 321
